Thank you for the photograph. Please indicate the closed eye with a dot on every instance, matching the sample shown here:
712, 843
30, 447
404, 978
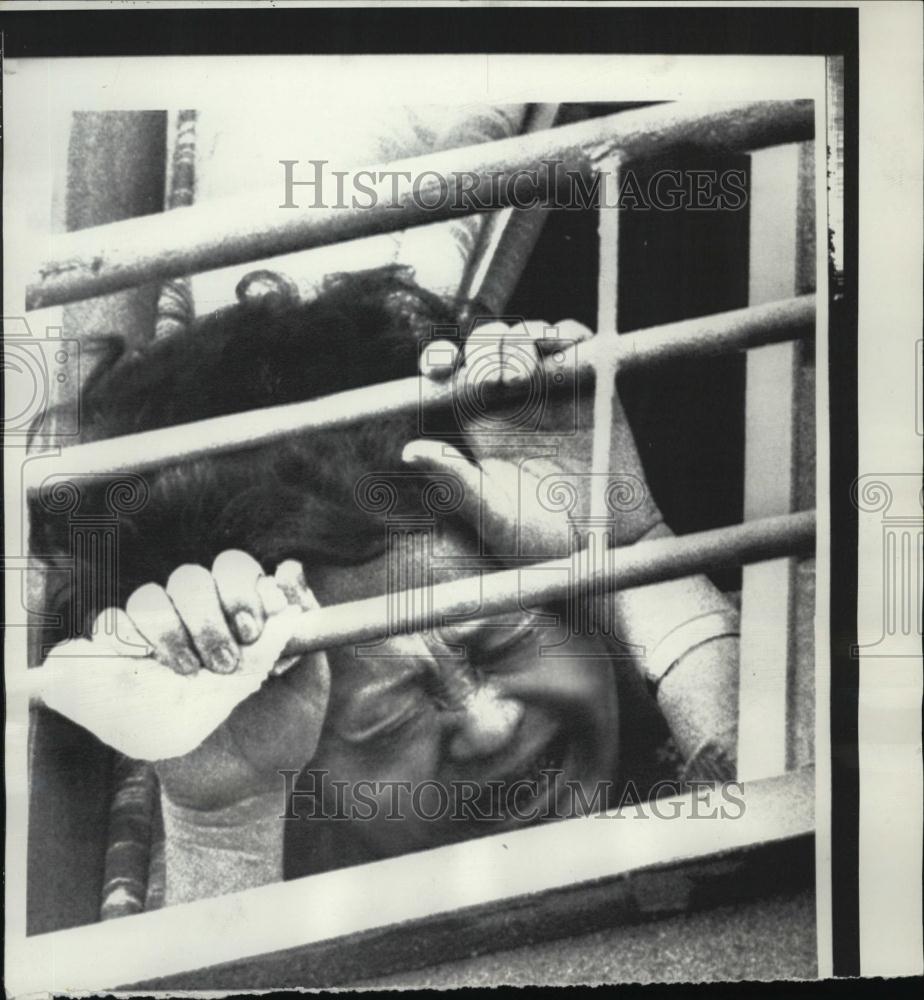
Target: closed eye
493, 644
489, 640
379, 725
381, 706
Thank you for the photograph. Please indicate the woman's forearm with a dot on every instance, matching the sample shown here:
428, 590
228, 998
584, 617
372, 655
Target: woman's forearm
699, 698
226, 850
685, 634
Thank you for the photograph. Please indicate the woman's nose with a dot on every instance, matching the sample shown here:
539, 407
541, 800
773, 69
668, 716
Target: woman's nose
484, 721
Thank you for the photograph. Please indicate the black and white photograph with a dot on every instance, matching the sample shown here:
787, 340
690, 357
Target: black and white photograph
446, 538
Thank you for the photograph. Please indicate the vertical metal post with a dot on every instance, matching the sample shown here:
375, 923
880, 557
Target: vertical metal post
175, 307
607, 320
770, 482
111, 167
595, 536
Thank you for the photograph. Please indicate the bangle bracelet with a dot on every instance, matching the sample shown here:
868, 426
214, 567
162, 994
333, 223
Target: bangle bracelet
687, 636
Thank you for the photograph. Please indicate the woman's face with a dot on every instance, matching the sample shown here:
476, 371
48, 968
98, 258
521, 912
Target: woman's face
418, 726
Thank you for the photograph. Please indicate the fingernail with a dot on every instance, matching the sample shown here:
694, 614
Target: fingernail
187, 664
246, 626
225, 659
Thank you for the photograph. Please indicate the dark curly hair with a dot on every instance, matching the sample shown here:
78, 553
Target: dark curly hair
289, 499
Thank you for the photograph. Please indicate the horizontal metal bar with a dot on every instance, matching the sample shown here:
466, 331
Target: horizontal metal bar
690, 872
169, 948
252, 227
708, 335
549, 582
711, 336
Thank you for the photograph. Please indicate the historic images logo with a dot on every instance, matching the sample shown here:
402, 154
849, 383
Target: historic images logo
548, 184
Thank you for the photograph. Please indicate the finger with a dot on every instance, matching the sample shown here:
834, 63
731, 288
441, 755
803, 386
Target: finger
502, 500
153, 615
484, 355
489, 501
552, 337
114, 626
438, 360
195, 597
521, 358
272, 596
290, 577
436, 456
236, 574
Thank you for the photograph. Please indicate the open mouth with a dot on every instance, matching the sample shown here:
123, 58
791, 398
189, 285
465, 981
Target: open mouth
528, 792
551, 758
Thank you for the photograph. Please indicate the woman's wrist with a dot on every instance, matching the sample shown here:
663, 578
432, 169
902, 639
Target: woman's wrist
217, 851
684, 633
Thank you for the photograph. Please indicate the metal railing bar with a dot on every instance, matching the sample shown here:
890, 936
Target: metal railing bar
549, 582
703, 336
273, 926
234, 230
